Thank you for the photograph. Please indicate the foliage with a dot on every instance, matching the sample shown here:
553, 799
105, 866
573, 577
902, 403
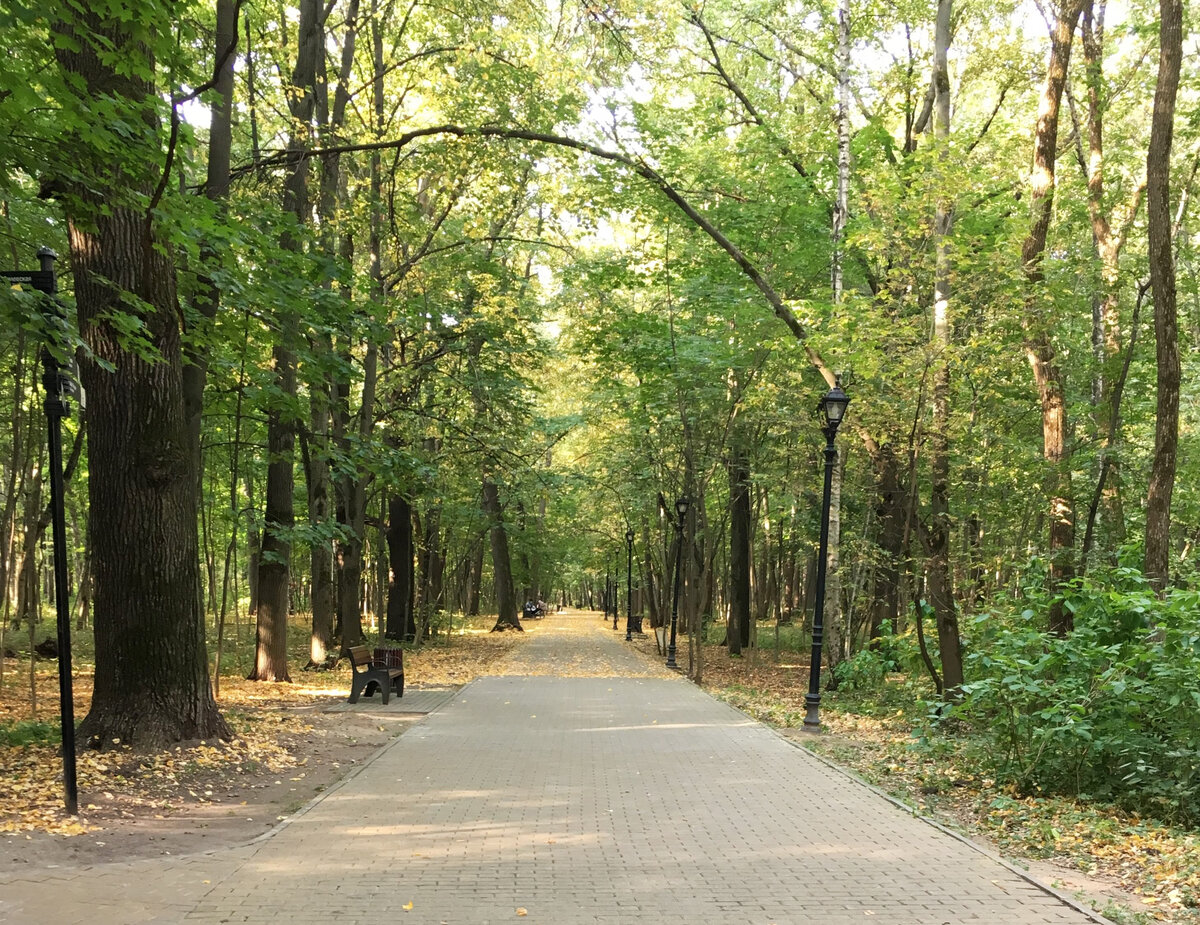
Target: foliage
1110, 713
881, 733
864, 670
29, 732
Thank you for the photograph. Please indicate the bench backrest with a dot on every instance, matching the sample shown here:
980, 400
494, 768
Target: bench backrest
359, 656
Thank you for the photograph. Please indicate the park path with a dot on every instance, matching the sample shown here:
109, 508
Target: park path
582, 783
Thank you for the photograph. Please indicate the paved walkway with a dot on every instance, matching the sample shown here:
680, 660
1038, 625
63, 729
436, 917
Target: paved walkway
621, 794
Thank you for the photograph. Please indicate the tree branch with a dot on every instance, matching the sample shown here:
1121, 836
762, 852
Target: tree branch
289, 158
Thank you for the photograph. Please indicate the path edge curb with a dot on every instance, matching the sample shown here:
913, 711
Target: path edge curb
270, 833
349, 776
944, 829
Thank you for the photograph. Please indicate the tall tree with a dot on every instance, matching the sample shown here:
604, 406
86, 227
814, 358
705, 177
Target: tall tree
274, 568
937, 534
1039, 344
149, 625
1162, 281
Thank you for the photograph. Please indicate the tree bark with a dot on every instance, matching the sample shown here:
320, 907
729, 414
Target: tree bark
274, 577
940, 584
400, 623
1162, 283
149, 625
506, 599
475, 577
1039, 345
889, 519
216, 189
739, 548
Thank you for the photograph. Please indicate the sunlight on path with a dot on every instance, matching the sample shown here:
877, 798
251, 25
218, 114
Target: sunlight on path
578, 644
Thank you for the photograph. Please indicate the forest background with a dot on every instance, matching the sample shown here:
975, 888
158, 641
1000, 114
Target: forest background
389, 312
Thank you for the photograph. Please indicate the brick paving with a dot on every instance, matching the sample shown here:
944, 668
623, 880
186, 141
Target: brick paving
617, 794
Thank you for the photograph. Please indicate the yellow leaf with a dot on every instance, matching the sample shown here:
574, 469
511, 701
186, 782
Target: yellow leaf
407, 907
522, 911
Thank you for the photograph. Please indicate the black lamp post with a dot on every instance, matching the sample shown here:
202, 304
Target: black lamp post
616, 590
833, 405
59, 385
607, 589
681, 507
629, 585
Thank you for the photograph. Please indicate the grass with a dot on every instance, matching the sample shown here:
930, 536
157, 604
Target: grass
29, 732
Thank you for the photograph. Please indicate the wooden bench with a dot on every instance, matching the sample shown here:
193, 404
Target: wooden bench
370, 674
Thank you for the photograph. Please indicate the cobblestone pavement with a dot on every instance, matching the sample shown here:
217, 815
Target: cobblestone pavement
618, 793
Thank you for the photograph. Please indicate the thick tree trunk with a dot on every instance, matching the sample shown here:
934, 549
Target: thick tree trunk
400, 623
1162, 282
506, 599
142, 482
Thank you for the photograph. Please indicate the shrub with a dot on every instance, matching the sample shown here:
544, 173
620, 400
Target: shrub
29, 732
862, 671
1110, 712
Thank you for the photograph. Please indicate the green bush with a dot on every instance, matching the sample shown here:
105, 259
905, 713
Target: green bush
1110, 712
864, 670
29, 732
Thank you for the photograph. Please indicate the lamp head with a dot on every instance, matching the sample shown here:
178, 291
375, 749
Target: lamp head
681, 507
629, 536
833, 404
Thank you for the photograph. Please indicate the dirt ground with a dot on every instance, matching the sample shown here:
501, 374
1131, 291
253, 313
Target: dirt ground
213, 810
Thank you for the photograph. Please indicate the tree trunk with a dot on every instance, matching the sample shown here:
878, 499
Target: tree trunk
253, 546
149, 626
889, 518
1039, 344
506, 600
1108, 238
275, 563
739, 548
941, 596
320, 550
216, 189
400, 623
475, 577
1162, 282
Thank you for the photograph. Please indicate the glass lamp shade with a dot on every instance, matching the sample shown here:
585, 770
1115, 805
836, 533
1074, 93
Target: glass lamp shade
833, 405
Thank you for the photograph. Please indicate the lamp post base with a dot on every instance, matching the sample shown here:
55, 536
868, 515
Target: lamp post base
671, 658
812, 714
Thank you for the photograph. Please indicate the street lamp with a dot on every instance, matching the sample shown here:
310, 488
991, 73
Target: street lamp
629, 585
681, 508
833, 405
60, 384
616, 590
